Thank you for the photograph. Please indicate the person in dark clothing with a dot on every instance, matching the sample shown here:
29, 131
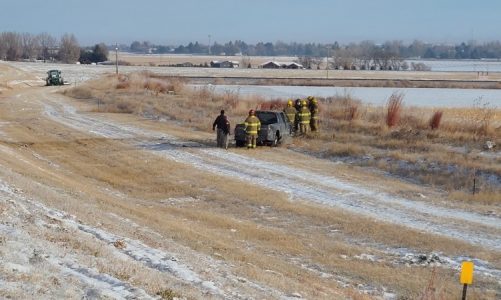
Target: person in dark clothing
223, 130
297, 106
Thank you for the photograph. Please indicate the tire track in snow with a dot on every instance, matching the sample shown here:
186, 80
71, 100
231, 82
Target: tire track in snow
151, 257
21, 240
379, 206
108, 286
314, 187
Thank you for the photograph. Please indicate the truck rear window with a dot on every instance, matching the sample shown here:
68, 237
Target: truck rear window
267, 118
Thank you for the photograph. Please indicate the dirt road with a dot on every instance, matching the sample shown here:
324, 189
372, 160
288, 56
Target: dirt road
119, 206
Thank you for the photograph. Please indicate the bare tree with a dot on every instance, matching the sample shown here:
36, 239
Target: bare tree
11, 46
343, 59
69, 50
31, 46
306, 61
47, 44
3, 47
366, 54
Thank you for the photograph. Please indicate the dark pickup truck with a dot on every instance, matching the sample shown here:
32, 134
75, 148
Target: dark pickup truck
275, 129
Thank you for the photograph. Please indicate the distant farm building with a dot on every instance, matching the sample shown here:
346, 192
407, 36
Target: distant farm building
224, 64
281, 65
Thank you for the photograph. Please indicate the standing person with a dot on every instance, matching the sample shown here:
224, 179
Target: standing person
252, 127
290, 113
313, 106
223, 130
297, 106
304, 117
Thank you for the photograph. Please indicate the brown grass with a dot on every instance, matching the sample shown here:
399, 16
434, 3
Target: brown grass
276, 104
394, 109
434, 290
435, 120
349, 128
264, 240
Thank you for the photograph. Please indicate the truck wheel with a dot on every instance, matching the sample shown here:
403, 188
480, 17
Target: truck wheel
276, 140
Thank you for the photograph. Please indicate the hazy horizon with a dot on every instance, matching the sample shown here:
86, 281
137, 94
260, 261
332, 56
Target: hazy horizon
316, 21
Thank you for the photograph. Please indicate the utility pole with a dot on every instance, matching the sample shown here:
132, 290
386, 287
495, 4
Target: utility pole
209, 44
116, 58
327, 62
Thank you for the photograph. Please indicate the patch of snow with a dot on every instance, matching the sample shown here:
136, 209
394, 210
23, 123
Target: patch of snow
151, 257
16, 267
106, 285
314, 187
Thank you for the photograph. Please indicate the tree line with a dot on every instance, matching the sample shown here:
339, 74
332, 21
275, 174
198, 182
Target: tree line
26, 46
365, 55
416, 49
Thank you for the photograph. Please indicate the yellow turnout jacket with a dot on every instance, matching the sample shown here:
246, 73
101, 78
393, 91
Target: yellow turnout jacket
252, 125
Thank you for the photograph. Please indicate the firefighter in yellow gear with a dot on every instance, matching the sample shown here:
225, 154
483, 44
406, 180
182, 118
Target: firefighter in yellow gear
313, 107
252, 127
290, 113
304, 117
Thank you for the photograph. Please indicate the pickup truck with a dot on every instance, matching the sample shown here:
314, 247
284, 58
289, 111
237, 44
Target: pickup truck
275, 129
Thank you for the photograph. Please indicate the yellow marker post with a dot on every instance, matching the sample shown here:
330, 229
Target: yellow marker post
466, 276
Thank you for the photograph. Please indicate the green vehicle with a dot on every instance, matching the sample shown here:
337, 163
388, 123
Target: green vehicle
54, 78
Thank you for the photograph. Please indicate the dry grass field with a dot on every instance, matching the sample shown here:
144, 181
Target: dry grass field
414, 146
255, 61
114, 189
173, 59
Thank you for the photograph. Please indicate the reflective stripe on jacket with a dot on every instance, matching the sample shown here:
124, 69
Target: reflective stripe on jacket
290, 112
304, 115
252, 125
314, 111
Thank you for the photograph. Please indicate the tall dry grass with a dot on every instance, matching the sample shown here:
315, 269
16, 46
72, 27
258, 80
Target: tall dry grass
391, 134
394, 109
435, 120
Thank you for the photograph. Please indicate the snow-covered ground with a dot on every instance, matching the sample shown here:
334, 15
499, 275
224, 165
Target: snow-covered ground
26, 222
32, 265
35, 260
314, 187
465, 65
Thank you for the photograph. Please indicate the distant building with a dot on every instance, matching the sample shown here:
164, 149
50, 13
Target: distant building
270, 65
224, 64
281, 65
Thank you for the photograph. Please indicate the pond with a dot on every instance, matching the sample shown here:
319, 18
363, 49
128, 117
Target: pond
430, 97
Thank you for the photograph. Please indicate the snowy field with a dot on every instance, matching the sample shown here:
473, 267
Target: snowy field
478, 65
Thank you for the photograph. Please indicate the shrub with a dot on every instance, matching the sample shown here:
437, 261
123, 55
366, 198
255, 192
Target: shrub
435, 120
275, 104
167, 294
394, 109
79, 93
482, 115
351, 111
122, 85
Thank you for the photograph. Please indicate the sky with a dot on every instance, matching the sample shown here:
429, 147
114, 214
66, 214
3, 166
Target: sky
318, 21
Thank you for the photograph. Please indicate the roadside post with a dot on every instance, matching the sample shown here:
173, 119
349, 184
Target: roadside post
116, 58
466, 276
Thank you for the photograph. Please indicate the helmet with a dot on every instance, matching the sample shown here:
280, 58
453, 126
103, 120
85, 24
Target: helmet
314, 101
303, 103
310, 98
289, 102
252, 112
